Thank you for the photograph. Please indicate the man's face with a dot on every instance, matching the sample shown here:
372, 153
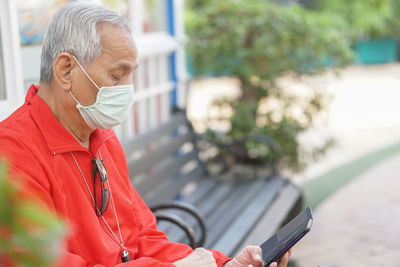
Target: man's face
114, 66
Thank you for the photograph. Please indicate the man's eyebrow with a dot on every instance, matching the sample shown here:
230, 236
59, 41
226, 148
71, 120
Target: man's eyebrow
125, 66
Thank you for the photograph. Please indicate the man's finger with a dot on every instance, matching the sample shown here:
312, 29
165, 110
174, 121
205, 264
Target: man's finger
284, 260
255, 253
255, 249
256, 257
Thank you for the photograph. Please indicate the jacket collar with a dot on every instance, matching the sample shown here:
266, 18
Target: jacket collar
58, 139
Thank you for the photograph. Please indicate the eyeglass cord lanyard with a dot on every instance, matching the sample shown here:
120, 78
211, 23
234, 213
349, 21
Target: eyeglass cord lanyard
125, 257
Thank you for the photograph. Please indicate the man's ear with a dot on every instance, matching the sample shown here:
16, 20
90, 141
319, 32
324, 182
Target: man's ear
62, 68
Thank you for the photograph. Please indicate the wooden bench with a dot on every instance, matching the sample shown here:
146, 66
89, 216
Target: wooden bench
206, 211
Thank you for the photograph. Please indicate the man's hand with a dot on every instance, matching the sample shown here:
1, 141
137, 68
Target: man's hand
251, 256
198, 258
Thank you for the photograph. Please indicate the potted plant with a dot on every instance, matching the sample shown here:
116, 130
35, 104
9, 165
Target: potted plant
29, 235
258, 42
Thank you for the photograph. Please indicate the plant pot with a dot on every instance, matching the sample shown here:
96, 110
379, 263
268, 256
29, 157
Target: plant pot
376, 51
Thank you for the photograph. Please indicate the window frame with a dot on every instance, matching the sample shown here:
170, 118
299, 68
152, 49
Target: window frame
11, 58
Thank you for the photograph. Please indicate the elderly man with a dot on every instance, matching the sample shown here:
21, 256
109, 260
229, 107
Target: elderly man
61, 144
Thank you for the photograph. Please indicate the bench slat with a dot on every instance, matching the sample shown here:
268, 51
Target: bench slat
216, 195
218, 200
227, 199
166, 129
230, 209
169, 169
169, 190
155, 156
279, 209
202, 188
236, 232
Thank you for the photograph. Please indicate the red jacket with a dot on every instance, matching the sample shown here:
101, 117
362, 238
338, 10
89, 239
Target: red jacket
39, 147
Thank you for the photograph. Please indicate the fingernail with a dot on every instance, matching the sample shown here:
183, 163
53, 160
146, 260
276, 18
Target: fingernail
258, 257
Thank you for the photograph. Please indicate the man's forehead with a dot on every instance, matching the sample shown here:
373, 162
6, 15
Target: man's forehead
117, 42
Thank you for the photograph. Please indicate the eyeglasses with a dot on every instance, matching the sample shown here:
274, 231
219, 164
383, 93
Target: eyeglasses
98, 167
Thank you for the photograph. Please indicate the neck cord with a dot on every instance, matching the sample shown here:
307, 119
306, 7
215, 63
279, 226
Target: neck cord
120, 242
114, 209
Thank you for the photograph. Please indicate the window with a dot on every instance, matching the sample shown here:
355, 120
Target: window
11, 90
33, 17
155, 16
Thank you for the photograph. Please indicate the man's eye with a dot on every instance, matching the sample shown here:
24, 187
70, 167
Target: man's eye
116, 78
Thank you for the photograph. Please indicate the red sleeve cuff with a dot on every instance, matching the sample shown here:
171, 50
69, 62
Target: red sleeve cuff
220, 258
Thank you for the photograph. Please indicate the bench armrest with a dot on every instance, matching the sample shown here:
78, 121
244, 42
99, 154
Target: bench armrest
270, 143
178, 222
190, 209
261, 138
265, 139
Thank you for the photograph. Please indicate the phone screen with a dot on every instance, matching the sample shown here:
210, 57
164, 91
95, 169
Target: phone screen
287, 236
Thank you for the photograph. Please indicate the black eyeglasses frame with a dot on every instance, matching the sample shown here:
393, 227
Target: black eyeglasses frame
98, 167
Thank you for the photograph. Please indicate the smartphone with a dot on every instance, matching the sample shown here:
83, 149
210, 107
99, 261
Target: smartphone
286, 237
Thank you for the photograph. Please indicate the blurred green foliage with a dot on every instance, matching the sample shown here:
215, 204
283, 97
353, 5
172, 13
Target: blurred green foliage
258, 42
366, 19
29, 235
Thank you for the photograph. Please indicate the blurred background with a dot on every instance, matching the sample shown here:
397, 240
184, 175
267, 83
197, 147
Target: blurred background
319, 77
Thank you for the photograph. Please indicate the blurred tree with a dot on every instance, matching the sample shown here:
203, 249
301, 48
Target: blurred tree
258, 42
366, 19
29, 235
395, 22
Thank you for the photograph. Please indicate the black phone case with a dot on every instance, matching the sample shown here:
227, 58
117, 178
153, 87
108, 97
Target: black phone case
287, 236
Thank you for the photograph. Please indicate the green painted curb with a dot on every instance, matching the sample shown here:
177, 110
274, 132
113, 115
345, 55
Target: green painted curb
320, 188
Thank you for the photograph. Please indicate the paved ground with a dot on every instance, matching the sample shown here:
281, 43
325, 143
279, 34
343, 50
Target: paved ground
359, 225
364, 115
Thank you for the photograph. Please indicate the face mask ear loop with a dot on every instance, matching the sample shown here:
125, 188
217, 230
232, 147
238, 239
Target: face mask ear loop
77, 102
87, 75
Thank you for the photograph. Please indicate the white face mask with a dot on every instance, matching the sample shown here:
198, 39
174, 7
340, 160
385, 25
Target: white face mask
112, 105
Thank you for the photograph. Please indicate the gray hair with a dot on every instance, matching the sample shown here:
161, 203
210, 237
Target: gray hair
73, 29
